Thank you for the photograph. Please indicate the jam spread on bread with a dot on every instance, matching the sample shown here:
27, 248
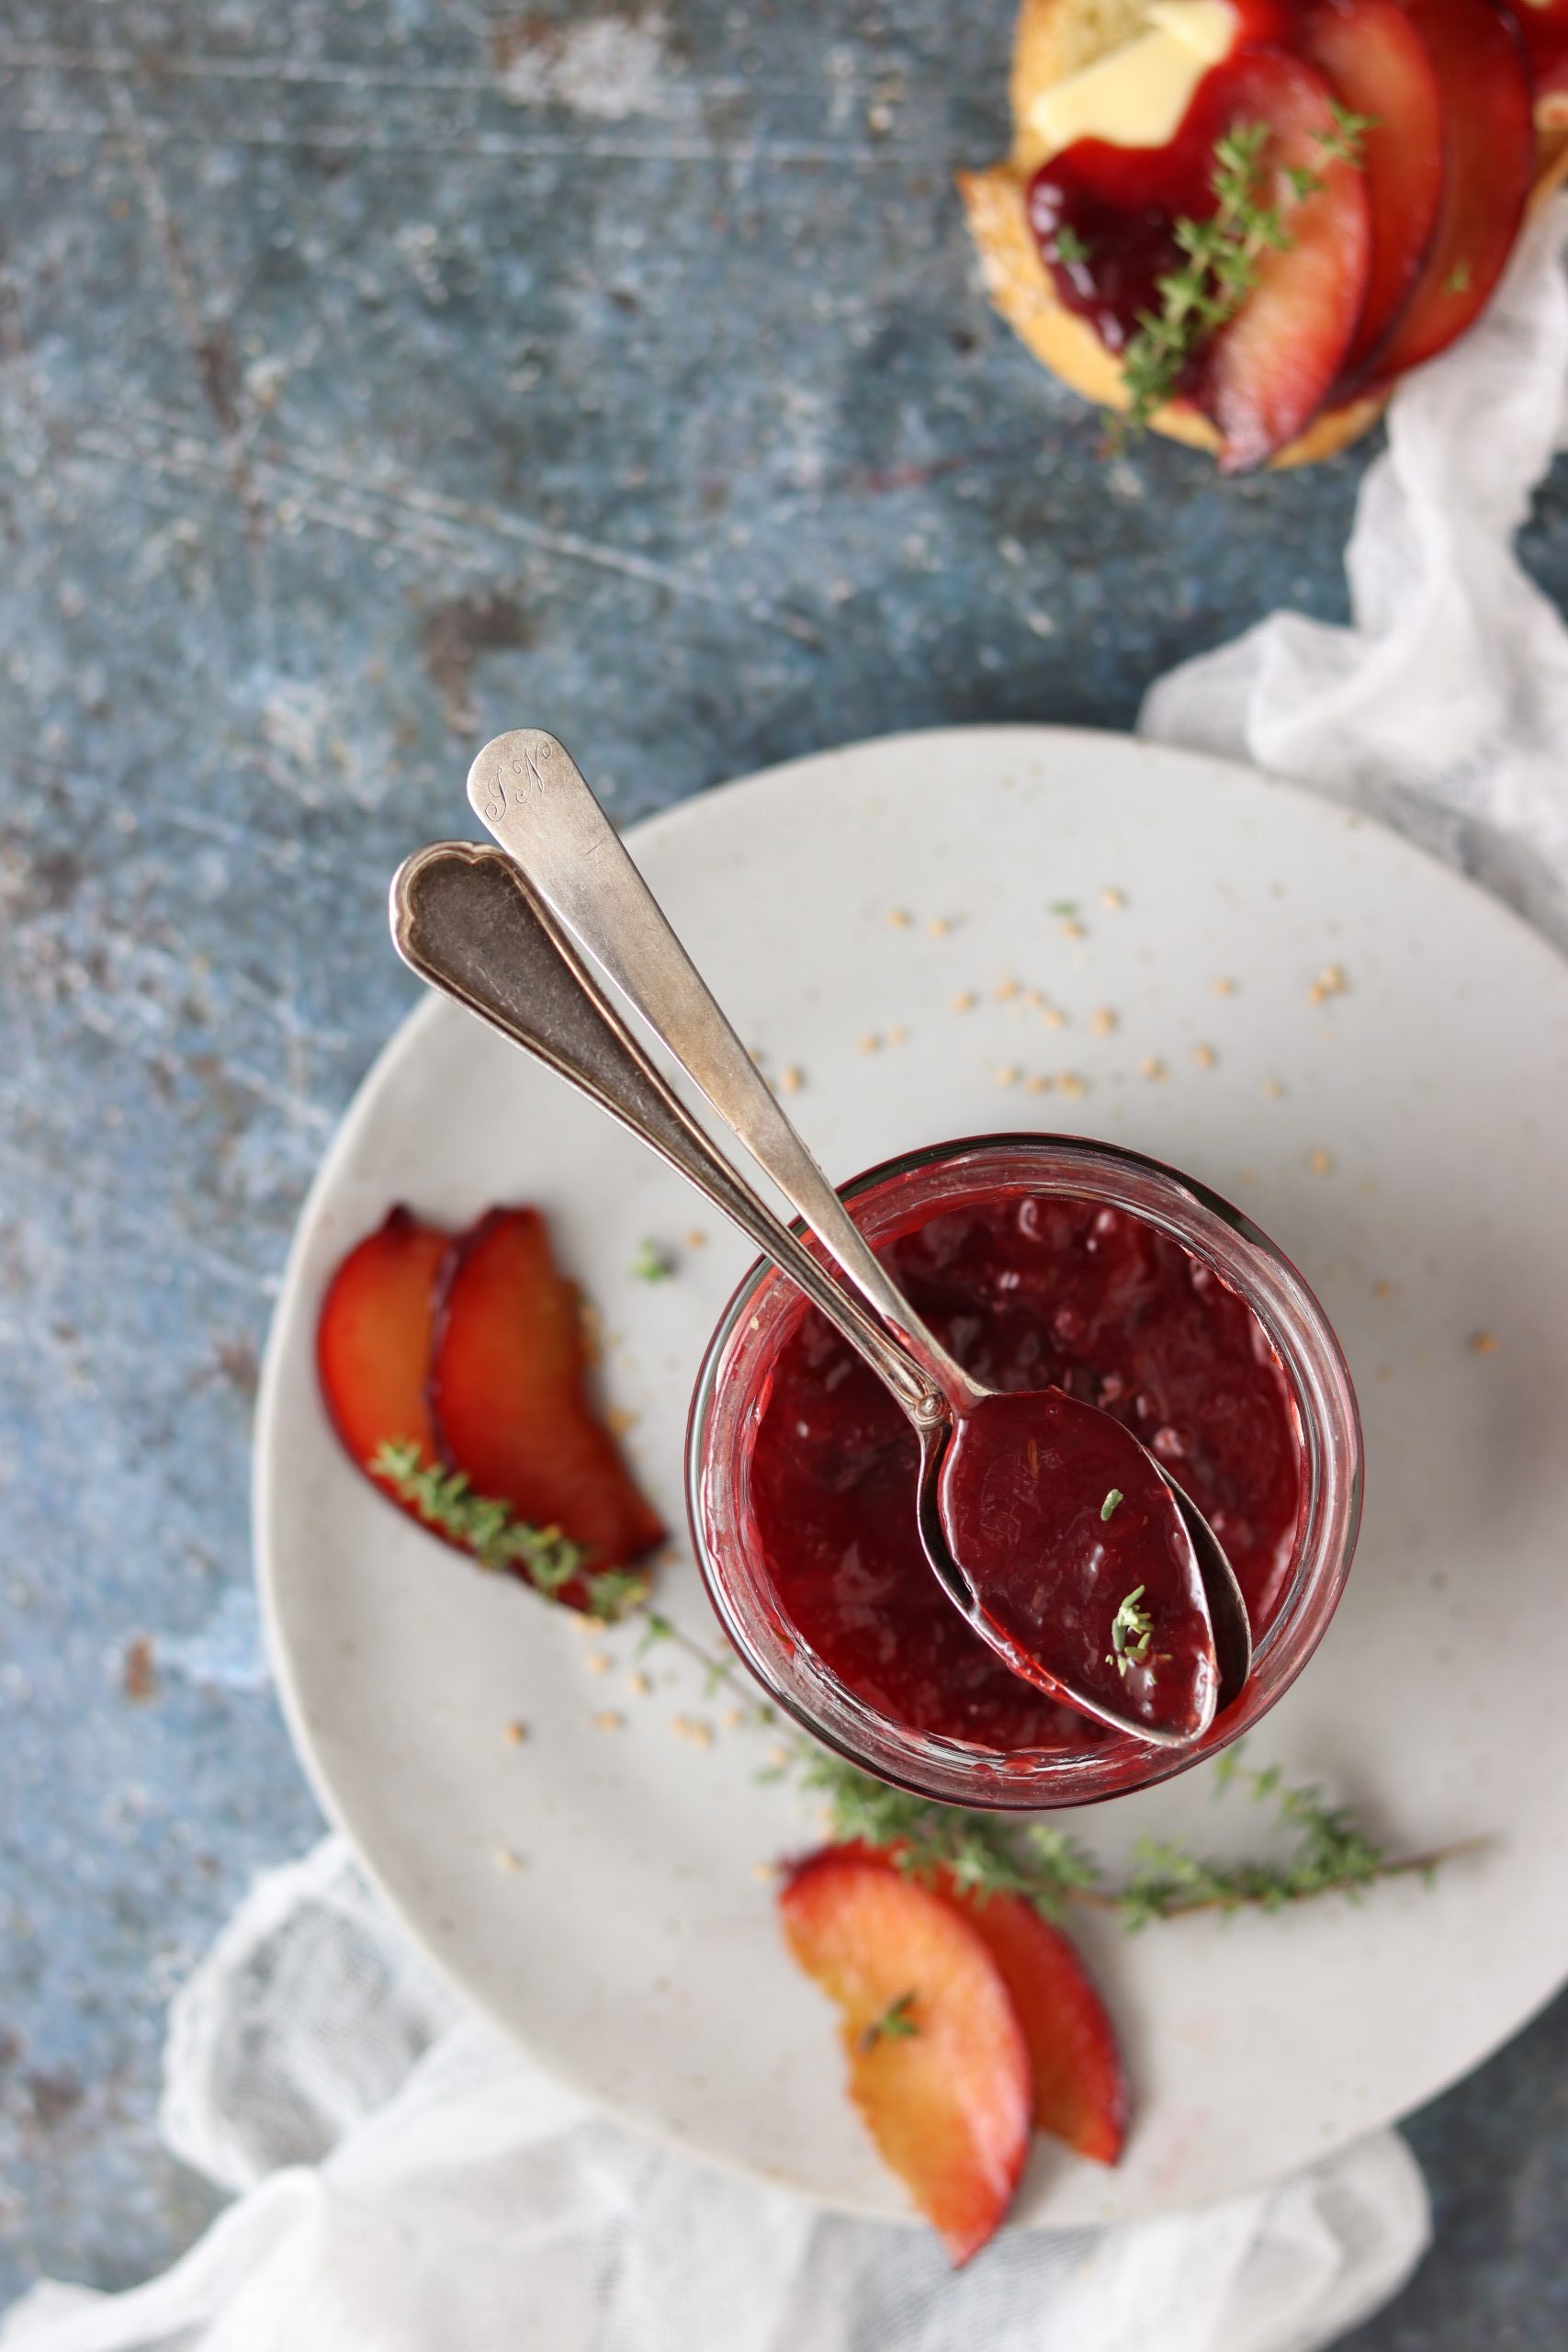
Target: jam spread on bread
1334, 205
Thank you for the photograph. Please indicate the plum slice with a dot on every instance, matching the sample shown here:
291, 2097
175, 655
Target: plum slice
1268, 371
373, 1339
938, 2062
508, 1394
1488, 166
1377, 63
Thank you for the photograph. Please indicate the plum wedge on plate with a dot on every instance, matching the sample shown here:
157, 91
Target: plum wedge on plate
465, 1354
938, 2062
965, 2019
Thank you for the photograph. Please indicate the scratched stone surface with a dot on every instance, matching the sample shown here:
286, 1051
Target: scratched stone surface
372, 377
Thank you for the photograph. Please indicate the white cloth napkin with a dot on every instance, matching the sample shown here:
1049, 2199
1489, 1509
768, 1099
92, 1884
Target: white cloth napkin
405, 2183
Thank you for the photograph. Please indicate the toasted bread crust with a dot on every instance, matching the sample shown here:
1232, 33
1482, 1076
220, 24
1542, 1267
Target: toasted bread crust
1054, 38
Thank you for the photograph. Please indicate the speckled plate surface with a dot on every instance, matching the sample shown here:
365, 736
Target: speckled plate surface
1403, 1140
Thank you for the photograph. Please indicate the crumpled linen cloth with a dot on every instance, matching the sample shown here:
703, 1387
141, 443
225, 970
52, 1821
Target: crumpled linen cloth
403, 2181
1443, 707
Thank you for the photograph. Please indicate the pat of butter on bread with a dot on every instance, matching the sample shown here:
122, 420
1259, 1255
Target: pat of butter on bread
1138, 93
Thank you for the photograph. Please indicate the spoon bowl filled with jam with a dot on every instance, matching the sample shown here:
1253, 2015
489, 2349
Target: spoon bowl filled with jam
1044, 1264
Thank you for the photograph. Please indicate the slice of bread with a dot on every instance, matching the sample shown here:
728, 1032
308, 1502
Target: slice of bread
1056, 38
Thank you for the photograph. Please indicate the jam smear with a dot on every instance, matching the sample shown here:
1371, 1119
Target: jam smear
1028, 1293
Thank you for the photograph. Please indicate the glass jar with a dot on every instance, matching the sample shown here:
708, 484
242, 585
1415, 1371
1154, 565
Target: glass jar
893, 1200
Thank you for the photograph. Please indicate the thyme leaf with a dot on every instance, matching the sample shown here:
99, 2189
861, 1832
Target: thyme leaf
897, 2023
1131, 1629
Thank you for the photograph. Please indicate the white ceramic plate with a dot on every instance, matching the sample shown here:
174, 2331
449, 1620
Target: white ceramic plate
635, 1950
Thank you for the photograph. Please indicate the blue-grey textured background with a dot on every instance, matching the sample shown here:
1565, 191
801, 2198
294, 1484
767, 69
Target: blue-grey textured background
373, 377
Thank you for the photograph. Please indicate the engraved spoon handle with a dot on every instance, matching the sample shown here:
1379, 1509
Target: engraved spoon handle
463, 919
527, 790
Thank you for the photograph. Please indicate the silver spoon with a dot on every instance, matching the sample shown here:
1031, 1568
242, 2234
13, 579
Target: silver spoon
463, 919
466, 926
530, 794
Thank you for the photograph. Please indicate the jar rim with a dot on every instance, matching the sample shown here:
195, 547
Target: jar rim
1210, 1229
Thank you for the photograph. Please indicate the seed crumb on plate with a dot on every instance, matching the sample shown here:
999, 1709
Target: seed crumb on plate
791, 1079
1206, 1056
505, 1860
764, 1873
1223, 987
617, 1420
1005, 990
1070, 1082
779, 1755
514, 1734
1054, 1017
1320, 1162
870, 1044
608, 1720
1114, 899
1009, 1074
1039, 1084
965, 1000
1273, 1088
1482, 1343
899, 919
696, 1239
897, 1035
1072, 929
596, 1662
1383, 1289
939, 926
732, 1718
1102, 1020
639, 1684
1152, 1067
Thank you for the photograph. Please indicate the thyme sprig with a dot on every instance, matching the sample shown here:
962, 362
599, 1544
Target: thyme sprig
986, 1854
547, 1559
980, 1853
1222, 254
